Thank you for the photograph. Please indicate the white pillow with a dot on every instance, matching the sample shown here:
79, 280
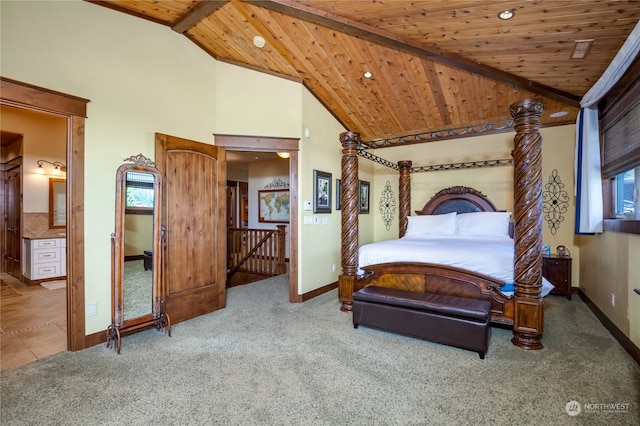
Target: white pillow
431, 225
483, 224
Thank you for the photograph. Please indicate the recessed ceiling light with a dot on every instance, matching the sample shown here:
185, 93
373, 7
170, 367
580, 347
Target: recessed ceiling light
507, 14
558, 114
258, 41
367, 74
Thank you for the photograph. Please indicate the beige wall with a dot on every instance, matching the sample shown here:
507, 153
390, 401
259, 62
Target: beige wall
610, 265
138, 235
45, 138
256, 104
318, 244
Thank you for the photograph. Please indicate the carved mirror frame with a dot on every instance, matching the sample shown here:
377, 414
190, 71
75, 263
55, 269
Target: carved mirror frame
57, 190
158, 316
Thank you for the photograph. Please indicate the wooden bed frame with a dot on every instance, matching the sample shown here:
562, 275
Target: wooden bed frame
524, 310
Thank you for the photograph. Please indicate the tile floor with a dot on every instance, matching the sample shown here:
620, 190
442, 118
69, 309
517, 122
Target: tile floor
33, 322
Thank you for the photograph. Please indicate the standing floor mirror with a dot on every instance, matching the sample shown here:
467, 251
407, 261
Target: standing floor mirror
137, 250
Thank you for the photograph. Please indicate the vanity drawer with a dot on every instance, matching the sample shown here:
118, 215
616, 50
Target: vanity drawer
39, 244
46, 270
44, 258
46, 255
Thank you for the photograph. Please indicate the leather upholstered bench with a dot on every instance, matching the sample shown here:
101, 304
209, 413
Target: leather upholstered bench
450, 320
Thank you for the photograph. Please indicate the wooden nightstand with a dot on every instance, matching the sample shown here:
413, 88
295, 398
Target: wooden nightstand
557, 269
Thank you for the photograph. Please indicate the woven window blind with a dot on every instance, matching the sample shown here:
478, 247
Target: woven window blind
622, 143
140, 180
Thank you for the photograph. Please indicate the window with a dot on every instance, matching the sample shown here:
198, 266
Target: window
627, 185
619, 116
140, 192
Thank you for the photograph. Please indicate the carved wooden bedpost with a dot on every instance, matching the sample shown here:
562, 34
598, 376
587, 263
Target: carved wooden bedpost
527, 164
404, 195
349, 205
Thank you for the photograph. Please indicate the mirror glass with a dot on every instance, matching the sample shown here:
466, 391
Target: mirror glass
137, 244
137, 277
57, 203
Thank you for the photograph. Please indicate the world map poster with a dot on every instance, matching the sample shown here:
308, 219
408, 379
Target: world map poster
273, 205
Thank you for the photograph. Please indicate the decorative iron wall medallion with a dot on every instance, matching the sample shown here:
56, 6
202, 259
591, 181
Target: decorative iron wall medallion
387, 205
555, 202
277, 184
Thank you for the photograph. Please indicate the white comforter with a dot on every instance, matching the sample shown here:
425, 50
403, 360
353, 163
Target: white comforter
488, 256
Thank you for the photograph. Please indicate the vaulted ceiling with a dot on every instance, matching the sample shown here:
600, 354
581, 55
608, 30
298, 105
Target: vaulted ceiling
437, 67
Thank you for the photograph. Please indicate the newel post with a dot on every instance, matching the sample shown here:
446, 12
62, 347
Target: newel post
527, 169
281, 266
404, 195
349, 205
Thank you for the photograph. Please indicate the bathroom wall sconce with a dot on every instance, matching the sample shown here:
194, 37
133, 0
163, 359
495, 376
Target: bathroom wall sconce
58, 167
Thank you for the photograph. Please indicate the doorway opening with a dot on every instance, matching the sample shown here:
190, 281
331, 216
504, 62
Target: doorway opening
34, 302
258, 216
74, 110
271, 146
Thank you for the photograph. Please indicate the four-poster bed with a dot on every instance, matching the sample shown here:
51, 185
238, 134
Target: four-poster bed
524, 309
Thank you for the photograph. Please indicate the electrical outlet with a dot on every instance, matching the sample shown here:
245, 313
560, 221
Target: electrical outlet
92, 309
613, 299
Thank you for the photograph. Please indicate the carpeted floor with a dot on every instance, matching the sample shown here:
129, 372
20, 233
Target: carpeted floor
137, 284
265, 361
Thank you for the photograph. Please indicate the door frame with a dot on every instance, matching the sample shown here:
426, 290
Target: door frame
274, 144
27, 96
9, 166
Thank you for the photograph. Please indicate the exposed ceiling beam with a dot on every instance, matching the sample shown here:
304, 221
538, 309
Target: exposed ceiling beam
385, 38
202, 10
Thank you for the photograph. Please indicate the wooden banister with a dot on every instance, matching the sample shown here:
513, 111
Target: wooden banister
256, 251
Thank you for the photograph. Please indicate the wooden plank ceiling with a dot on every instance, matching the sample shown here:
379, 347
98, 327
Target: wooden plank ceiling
436, 65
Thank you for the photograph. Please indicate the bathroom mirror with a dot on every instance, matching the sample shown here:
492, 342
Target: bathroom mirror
57, 203
137, 244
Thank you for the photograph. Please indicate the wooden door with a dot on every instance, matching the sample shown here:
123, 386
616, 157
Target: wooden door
194, 213
13, 212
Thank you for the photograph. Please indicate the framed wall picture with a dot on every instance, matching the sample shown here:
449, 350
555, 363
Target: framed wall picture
363, 196
273, 206
338, 194
321, 192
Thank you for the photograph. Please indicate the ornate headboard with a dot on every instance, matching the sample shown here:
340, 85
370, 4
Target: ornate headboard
461, 199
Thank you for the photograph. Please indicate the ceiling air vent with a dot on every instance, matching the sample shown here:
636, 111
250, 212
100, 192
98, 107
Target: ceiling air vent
581, 49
